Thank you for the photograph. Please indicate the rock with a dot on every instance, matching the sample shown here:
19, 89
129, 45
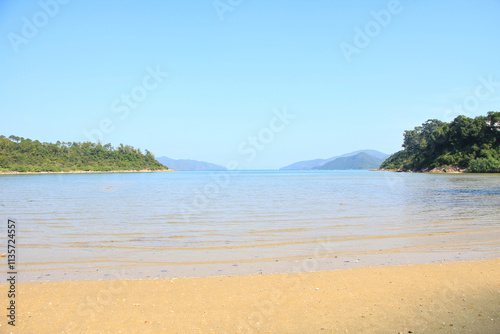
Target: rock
453, 169
436, 170
446, 169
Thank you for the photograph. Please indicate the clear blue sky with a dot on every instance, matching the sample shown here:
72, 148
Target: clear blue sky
68, 68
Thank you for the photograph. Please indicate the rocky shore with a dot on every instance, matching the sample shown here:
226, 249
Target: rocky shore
445, 169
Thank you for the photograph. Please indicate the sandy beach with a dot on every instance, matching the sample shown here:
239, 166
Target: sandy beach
461, 297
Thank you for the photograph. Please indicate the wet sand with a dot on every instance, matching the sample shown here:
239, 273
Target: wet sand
139, 256
461, 297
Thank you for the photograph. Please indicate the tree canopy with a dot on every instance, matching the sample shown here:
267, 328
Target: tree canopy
25, 155
469, 143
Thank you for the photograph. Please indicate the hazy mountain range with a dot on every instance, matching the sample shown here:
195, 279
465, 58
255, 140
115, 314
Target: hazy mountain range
363, 159
187, 164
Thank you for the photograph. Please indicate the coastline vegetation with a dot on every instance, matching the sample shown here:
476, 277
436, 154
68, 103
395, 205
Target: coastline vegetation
18, 154
472, 144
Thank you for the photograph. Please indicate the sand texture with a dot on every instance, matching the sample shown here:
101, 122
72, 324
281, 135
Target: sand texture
462, 297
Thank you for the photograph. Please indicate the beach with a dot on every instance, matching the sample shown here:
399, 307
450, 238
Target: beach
311, 252
459, 297
229, 166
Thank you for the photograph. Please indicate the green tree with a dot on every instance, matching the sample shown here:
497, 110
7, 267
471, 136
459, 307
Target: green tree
19, 154
461, 142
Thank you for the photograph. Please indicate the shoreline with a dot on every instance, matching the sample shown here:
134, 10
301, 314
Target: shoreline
89, 172
435, 170
424, 298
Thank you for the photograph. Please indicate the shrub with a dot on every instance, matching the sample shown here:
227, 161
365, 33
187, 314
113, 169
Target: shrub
484, 165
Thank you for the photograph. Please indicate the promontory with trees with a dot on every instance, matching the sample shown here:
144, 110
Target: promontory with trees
465, 144
25, 155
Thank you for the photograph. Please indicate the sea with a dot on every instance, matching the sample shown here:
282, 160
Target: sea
105, 226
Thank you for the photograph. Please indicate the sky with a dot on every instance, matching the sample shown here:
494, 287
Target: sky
261, 83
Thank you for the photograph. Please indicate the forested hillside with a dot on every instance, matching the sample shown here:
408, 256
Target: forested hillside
26, 155
469, 143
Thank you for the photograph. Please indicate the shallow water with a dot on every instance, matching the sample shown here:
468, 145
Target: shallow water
149, 225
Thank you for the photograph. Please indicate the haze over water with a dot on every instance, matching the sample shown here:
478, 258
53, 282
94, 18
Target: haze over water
148, 225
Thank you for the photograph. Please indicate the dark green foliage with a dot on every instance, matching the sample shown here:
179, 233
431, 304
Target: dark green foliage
25, 155
396, 161
472, 143
484, 165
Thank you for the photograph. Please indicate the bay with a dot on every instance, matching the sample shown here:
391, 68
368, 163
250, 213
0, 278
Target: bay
178, 224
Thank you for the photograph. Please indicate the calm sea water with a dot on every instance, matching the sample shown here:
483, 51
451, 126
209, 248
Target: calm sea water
147, 225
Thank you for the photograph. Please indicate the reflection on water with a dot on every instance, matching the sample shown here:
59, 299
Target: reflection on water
92, 226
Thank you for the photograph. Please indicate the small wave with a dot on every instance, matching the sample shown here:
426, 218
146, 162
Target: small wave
492, 191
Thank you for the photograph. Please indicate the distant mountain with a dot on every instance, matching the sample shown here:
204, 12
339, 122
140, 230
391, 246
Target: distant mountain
307, 164
312, 164
373, 153
187, 164
359, 161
